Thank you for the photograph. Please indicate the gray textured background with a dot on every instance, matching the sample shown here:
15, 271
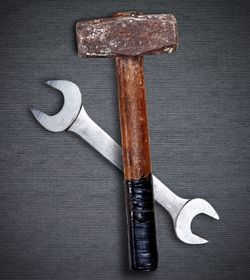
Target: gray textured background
61, 204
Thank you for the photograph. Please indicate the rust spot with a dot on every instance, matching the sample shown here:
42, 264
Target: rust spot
129, 34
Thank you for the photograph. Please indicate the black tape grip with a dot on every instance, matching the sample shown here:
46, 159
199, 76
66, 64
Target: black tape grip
141, 224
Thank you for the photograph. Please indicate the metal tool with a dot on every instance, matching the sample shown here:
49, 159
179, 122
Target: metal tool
127, 37
74, 118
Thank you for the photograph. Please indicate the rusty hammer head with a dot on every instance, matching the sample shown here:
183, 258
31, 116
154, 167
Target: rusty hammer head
127, 34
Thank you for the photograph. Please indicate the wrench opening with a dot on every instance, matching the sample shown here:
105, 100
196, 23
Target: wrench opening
185, 217
70, 110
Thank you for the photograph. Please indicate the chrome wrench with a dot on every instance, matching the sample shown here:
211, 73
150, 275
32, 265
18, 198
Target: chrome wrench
73, 117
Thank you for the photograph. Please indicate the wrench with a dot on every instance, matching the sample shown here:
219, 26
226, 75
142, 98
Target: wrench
73, 117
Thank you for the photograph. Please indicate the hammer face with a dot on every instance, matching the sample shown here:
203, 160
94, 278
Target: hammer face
129, 35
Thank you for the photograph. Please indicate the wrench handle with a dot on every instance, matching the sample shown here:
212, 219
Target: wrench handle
96, 137
136, 163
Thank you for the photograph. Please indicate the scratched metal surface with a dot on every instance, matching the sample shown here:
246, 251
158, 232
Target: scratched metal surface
62, 205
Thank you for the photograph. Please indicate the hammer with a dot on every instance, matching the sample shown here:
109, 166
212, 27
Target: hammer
127, 37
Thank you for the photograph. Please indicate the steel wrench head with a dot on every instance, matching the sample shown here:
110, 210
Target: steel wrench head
70, 110
184, 219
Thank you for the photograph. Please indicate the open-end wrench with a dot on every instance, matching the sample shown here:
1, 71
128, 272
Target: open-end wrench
73, 117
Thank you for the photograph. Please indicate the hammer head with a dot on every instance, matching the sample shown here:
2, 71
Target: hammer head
128, 34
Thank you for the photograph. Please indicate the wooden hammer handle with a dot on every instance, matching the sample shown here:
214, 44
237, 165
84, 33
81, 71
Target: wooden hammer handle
136, 163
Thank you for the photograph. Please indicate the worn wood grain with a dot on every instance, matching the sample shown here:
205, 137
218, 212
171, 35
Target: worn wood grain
133, 117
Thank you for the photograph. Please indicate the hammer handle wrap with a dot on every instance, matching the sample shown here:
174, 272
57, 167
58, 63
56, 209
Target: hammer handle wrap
141, 224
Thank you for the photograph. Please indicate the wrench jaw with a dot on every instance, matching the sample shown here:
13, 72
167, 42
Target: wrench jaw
184, 219
69, 112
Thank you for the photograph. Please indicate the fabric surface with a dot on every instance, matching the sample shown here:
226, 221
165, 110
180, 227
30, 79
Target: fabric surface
62, 212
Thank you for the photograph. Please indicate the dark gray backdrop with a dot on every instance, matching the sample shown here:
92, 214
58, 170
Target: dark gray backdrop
61, 204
